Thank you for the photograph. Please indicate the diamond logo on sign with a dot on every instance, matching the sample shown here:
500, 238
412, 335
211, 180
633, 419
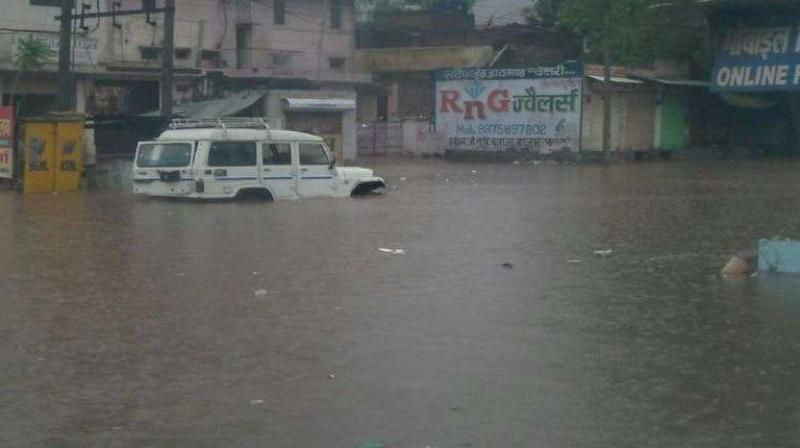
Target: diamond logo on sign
475, 89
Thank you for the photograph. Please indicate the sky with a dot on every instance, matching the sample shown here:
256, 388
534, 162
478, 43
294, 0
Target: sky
499, 11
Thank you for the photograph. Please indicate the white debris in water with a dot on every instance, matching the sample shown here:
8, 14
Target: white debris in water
256, 401
331, 375
403, 179
603, 252
474, 171
392, 251
574, 261
255, 272
260, 293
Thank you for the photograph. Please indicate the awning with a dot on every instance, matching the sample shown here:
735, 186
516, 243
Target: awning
616, 79
223, 107
678, 82
319, 104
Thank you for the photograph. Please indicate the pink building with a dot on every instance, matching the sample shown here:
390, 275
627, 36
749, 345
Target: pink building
267, 51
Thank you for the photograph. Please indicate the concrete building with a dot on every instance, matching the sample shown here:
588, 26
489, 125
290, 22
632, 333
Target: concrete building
283, 49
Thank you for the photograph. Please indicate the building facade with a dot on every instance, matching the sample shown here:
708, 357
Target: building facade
222, 48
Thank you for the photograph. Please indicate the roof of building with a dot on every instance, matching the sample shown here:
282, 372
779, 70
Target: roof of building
221, 107
236, 134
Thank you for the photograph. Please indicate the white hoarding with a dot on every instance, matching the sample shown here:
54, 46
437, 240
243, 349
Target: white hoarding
535, 109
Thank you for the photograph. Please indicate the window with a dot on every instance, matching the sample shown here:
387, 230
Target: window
277, 154
336, 14
281, 59
243, 45
313, 154
232, 154
183, 53
279, 12
150, 53
148, 5
336, 63
383, 107
169, 155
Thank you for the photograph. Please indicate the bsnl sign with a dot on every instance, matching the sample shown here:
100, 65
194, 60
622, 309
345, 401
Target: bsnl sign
525, 109
761, 55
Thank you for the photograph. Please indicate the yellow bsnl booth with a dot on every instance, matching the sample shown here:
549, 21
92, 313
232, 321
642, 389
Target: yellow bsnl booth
52, 153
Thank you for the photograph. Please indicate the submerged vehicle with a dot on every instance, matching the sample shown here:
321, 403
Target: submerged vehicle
229, 158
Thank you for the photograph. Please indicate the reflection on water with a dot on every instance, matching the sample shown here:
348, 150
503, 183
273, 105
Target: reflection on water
130, 322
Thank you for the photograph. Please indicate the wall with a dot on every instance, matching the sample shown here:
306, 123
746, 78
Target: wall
276, 115
304, 38
419, 138
125, 44
423, 59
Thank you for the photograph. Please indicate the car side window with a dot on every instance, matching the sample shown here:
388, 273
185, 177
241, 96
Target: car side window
313, 154
232, 154
277, 154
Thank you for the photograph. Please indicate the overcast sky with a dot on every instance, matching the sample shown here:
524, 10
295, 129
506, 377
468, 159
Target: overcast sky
499, 11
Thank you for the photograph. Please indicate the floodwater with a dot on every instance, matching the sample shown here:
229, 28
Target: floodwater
127, 322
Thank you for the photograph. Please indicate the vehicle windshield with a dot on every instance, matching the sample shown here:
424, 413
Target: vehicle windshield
164, 155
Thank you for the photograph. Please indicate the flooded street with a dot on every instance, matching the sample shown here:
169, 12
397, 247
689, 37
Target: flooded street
129, 322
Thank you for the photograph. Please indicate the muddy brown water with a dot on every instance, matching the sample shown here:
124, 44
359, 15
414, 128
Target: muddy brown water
127, 322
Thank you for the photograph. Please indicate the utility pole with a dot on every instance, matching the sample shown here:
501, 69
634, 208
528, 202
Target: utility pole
606, 80
64, 57
168, 73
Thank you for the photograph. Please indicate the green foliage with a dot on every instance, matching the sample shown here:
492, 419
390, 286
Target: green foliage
544, 11
641, 31
32, 54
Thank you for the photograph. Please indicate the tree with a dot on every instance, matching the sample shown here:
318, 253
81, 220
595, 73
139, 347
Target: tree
641, 30
32, 55
544, 12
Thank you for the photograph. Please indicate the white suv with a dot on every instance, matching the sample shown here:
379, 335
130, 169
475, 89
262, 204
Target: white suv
233, 158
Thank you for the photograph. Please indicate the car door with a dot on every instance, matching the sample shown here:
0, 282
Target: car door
315, 173
278, 172
233, 165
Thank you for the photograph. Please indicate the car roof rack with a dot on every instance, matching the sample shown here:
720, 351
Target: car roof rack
224, 123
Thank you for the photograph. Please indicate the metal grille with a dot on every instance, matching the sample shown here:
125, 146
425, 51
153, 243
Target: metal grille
380, 138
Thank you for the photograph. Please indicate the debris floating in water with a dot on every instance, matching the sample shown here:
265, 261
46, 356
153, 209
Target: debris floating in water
392, 251
603, 252
260, 293
256, 401
507, 265
574, 261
